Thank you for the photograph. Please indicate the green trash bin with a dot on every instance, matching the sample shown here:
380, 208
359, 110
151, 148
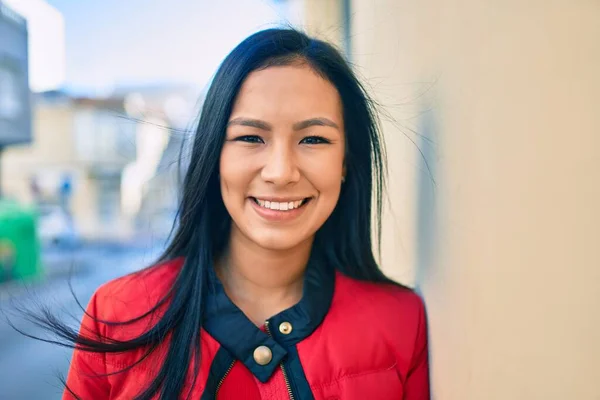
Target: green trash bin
19, 245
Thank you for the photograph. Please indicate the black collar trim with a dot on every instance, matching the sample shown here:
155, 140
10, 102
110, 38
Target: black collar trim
237, 334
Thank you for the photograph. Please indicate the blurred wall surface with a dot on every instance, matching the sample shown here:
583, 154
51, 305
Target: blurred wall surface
324, 19
499, 228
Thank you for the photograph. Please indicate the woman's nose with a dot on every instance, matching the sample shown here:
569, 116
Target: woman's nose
280, 166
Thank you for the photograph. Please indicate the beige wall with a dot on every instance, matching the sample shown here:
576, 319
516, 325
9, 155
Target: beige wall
324, 19
504, 245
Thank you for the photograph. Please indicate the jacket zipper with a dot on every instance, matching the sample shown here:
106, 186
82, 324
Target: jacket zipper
223, 378
285, 376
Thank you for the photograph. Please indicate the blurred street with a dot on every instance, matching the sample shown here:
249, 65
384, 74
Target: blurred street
29, 369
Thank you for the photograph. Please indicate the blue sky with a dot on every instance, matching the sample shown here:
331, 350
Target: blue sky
116, 42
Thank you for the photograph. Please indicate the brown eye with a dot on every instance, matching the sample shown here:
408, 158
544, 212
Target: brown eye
249, 139
314, 140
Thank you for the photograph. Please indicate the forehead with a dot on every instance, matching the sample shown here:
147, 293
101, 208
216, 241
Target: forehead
287, 91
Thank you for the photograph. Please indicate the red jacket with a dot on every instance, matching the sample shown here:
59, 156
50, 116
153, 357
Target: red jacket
346, 339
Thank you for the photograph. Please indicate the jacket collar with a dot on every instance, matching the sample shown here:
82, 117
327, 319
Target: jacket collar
225, 322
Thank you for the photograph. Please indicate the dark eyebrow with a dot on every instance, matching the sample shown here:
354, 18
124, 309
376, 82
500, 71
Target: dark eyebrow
315, 122
298, 126
254, 123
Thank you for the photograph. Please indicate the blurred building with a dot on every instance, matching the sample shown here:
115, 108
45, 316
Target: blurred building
81, 144
160, 197
166, 116
118, 157
46, 46
15, 114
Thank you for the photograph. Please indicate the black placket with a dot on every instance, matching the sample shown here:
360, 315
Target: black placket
239, 337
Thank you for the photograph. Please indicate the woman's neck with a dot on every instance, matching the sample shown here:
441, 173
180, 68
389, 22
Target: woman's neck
262, 282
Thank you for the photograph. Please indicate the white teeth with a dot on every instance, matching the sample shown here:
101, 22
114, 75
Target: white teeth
285, 206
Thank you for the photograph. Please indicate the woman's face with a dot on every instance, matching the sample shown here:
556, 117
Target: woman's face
282, 163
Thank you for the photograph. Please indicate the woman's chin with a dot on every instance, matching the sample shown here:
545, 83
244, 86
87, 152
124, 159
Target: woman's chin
277, 241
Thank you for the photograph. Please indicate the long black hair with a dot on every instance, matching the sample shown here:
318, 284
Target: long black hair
203, 224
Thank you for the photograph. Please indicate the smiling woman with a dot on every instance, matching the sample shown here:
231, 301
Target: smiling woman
282, 163
269, 288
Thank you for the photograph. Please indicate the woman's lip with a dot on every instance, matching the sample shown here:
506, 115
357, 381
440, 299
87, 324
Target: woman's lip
280, 199
277, 215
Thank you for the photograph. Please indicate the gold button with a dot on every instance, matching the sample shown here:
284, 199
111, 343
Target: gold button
285, 328
262, 355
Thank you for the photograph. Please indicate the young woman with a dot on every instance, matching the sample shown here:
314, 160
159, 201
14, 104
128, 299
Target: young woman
269, 288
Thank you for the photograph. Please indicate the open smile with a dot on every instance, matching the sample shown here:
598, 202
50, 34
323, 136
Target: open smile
279, 211
286, 205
